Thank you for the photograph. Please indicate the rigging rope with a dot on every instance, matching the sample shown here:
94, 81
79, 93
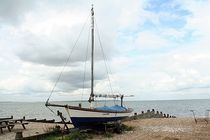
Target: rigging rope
69, 58
51, 110
105, 59
84, 76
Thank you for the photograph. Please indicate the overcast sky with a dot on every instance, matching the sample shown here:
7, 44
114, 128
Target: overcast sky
156, 49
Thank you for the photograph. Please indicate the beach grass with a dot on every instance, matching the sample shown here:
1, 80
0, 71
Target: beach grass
127, 128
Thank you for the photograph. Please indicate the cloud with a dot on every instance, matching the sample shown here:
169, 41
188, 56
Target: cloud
150, 41
54, 51
13, 12
50, 41
155, 49
74, 79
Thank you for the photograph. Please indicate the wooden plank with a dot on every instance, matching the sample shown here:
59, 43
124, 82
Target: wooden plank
19, 122
2, 126
6, 118
23, 124
31, 120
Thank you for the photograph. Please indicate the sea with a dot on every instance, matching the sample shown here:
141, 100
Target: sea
178, 108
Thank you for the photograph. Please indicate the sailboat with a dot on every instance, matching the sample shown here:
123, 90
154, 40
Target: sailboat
84, 117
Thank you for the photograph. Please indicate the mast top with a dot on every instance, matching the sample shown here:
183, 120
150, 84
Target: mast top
92, 11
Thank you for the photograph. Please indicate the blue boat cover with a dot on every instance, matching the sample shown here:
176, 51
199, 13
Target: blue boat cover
111, 108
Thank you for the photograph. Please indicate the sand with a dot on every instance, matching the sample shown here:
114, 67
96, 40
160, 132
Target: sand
165, 129
145, 129
31, 130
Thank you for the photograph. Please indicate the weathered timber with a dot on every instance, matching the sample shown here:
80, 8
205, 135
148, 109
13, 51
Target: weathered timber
8, 118
149, 114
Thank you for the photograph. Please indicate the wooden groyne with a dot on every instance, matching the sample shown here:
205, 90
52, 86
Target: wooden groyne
47, 121
41, 120
63, 120
150, 114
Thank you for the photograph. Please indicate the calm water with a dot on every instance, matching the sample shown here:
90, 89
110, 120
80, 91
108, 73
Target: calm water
179, 108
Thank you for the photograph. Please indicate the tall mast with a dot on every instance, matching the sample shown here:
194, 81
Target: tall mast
92, 56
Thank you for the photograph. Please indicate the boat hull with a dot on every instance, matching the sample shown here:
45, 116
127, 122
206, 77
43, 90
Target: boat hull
84, 122
84, 118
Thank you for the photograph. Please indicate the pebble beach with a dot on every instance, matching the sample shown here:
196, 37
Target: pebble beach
144, 129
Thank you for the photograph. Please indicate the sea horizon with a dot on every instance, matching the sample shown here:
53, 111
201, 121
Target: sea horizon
178, 108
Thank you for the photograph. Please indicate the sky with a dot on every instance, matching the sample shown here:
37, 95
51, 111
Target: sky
154, 49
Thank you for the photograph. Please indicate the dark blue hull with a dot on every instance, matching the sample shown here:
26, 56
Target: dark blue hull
80, 122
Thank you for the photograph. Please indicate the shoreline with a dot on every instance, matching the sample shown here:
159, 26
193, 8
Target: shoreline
39, 111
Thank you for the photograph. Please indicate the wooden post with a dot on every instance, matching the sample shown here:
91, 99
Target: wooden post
161, 114
157, 115
194, 116
63, 120
148, 115
152, 114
